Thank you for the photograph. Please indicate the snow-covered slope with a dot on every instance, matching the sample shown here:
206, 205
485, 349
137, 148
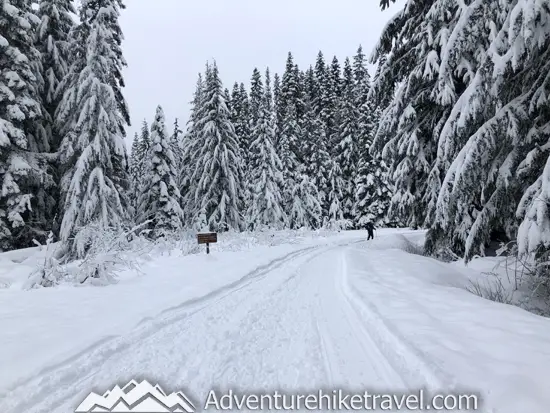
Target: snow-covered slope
330, 313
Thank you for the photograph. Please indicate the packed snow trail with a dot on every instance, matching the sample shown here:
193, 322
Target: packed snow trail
305, 322
291, 328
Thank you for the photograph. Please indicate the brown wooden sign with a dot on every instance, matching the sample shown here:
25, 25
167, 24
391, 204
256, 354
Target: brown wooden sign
207, 238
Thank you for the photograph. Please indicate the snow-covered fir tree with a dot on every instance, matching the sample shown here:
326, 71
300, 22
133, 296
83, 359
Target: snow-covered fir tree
215, 162
335, 193
176, 144
347, 151
53, 41
256, 97
266, 208
316, 158
93, 153
134, 162
409, 127
333, 96
288, 148
371, 188
321, 96
372, 192
25, 176
89, 11
255, 102
240, 115
190, 147
159, 197
466, 132
140, 147
278, 108
305, 211
493, 147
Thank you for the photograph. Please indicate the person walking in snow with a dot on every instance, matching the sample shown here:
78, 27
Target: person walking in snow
370, 229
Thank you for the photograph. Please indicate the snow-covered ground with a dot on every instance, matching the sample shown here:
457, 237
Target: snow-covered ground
323, 312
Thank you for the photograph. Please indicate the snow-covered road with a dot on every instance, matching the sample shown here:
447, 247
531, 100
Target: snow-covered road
339, 316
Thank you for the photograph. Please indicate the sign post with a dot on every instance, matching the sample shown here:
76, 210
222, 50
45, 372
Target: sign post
207, 238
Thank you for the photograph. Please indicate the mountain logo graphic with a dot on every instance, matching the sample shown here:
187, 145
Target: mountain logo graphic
136, 397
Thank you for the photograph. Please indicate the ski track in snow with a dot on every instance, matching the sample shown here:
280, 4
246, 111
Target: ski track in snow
294, 324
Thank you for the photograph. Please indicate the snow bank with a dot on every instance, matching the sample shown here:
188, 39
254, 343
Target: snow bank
501, 279
505, 280
17, 266
421, 310
405, 240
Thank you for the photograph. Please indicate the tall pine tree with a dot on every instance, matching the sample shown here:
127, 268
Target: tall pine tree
159, 200
215, 161
53, 42
94, 153
24, 174
347, 151
266, 209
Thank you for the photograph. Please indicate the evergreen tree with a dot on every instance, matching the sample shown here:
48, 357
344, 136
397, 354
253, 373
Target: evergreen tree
347, 151
386, 93
90, 9
321, 97
334, 92
135, 164
464, 132
373, 193
176, 144
216, 164
305, 209
300, 97
289, 139
278, 108
288, 143
266, 209
289, 87
409, 127
239, 115
140, 147
94, 153
245, 115
52, 41
24, 174
190, 147
159, 200
65, 117
492, 148
227, 97
144, 142
335, 193
317, 161
256, 97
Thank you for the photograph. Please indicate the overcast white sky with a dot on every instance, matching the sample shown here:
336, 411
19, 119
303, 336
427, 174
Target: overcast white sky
167, 43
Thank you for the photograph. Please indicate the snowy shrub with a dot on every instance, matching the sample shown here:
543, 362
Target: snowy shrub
518, 280
51, 272
338, 225
493, 289
104, 251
